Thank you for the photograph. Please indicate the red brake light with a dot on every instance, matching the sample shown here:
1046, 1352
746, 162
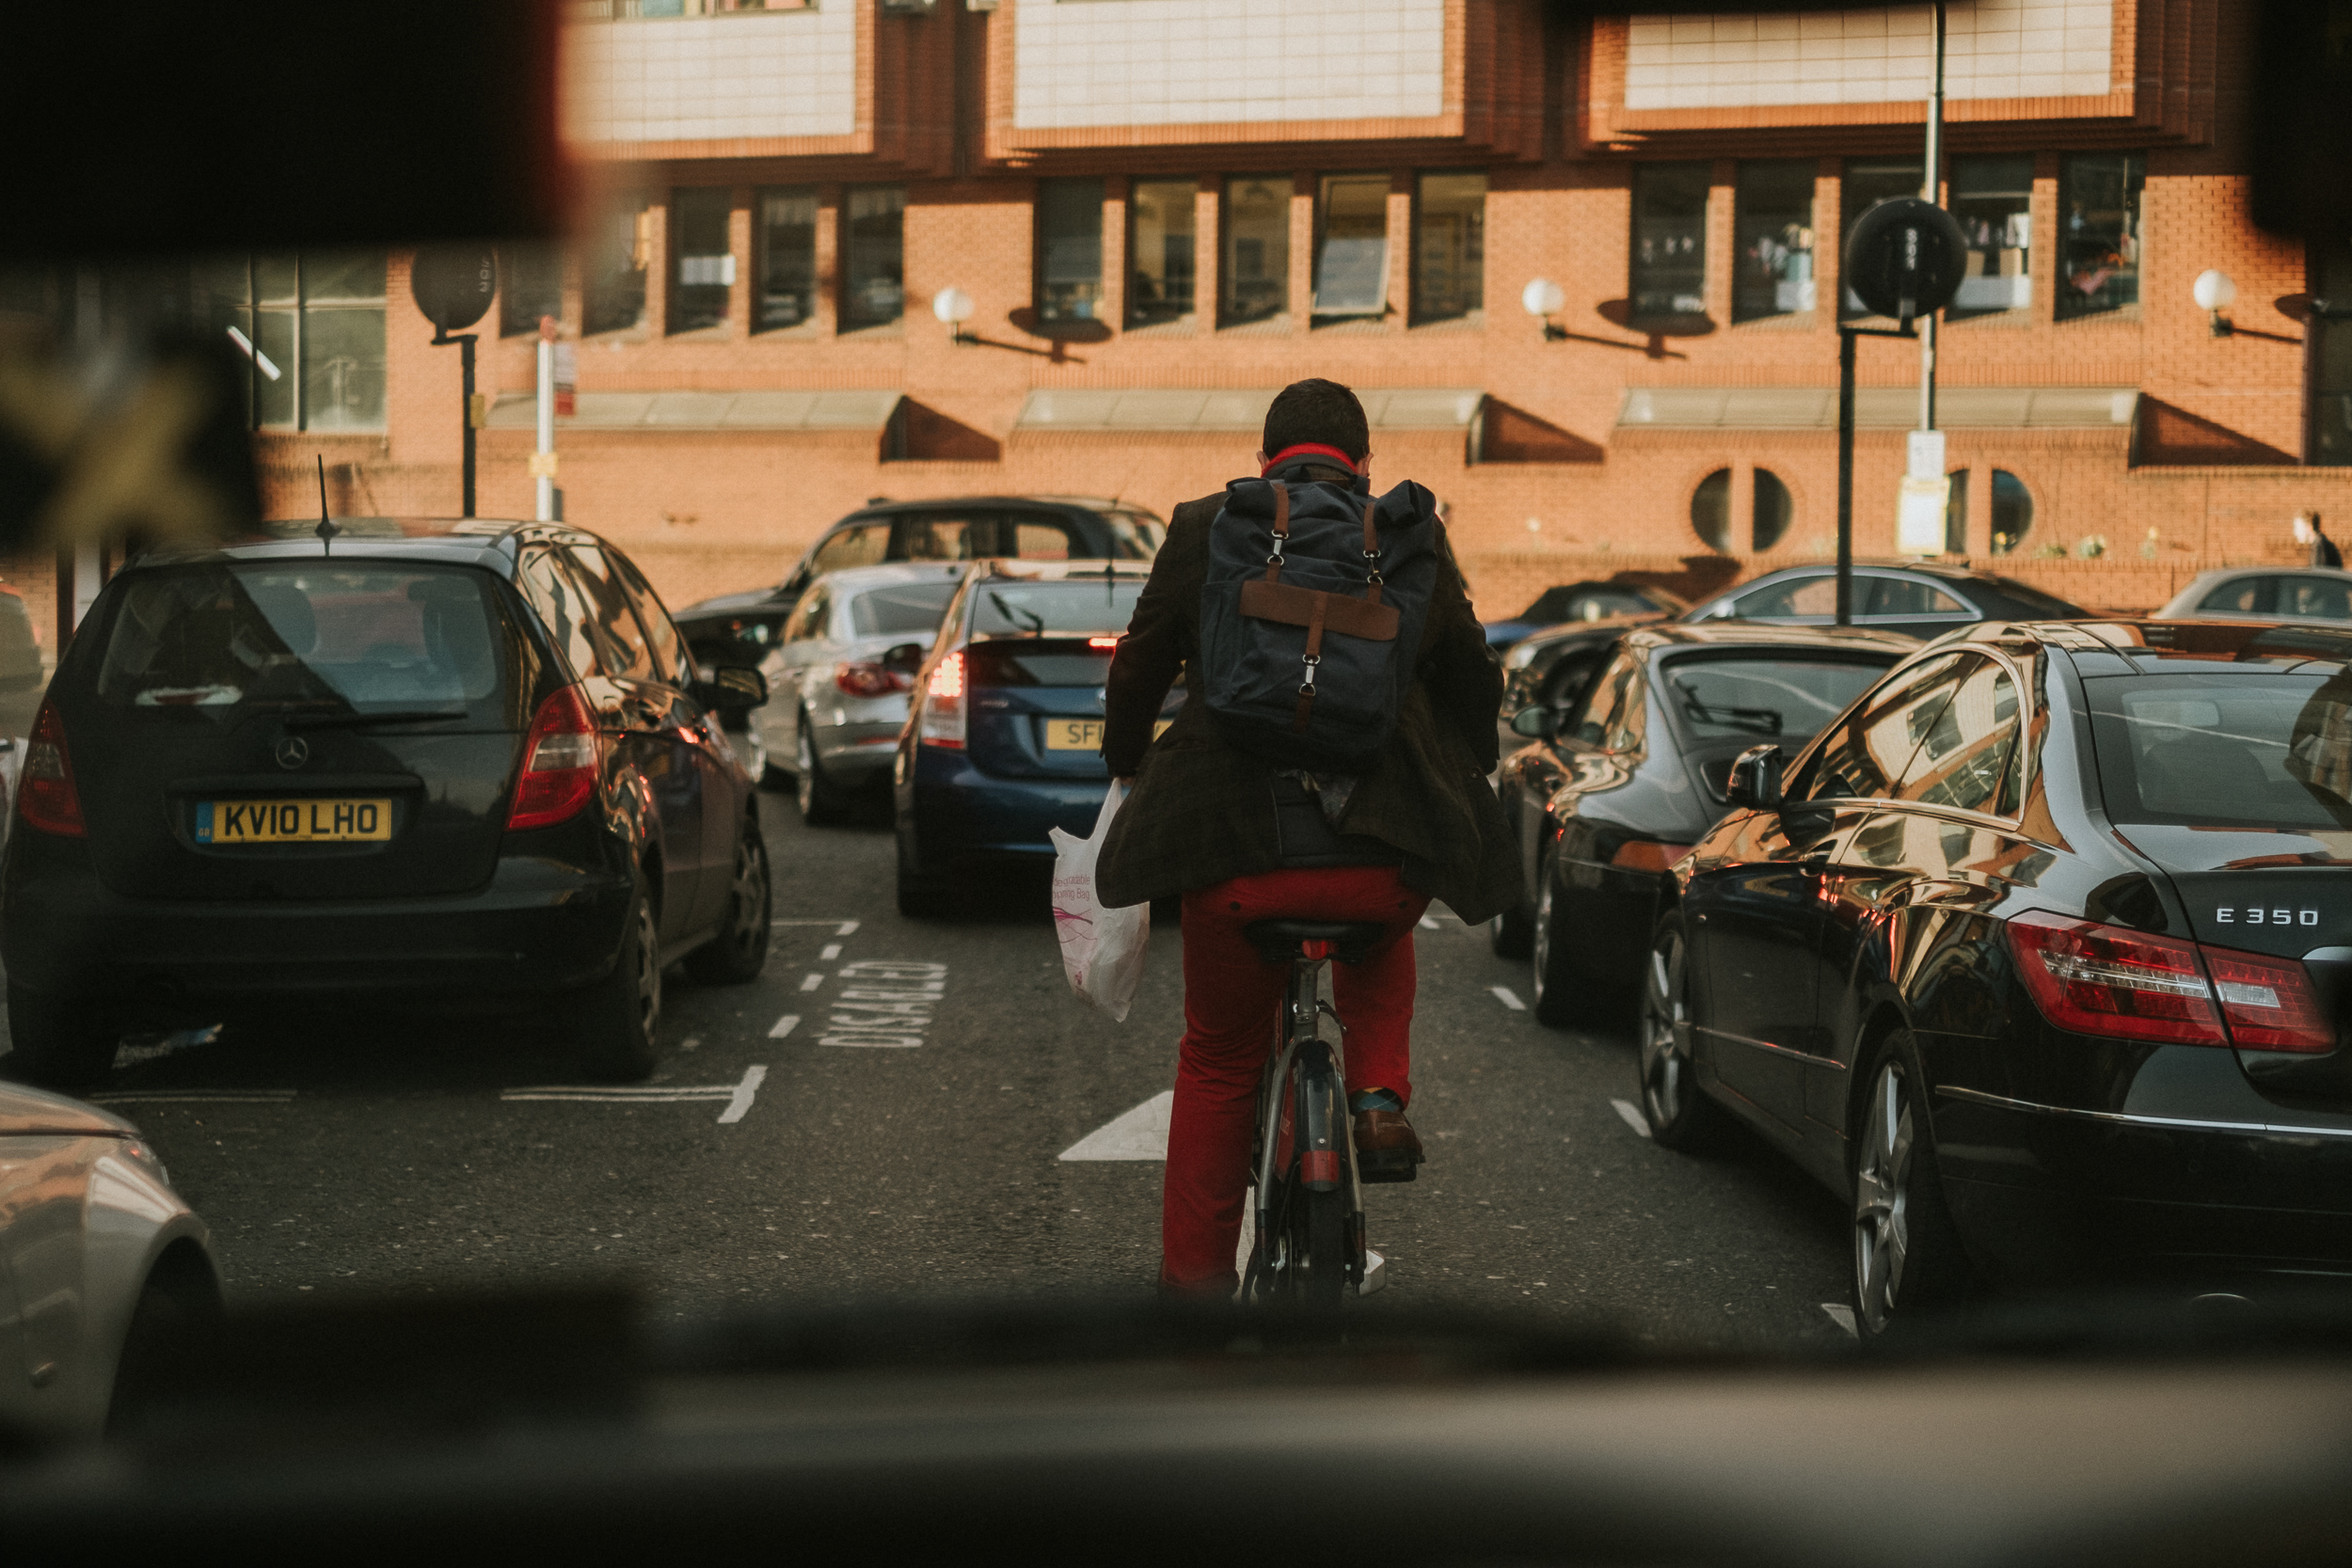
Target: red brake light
2098, 979
1101, 642
2268, 1002
943, 704
560, 763
45, 796
868, 680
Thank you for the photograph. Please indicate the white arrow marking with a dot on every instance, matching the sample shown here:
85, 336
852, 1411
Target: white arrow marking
1509, 998
784, 1026
1139, 1134
1632, 1116
739, 1105
1842, 1315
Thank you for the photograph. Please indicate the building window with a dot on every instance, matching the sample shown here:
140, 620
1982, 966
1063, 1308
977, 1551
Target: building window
531, 285
1771, 226
612, 285
1711, 511
1352, 245
1449, 246
1069, 249
1768, 521
1257, 270
2329, 438
311, 327
1670, 240
705, 267
1992, 201
1868, 182
2013, 511
1160, 238
1956, 513
2099, 233
788, 259
874, 282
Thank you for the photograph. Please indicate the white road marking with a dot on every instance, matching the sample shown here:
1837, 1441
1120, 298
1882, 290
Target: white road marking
1842, 1315
1139, 1134
1633, 1117
784, 1026
840, 927
1427, 924
832, 951
810, 982
1509, 998
885, 1004
740, 1104
195, 1097
620, 1094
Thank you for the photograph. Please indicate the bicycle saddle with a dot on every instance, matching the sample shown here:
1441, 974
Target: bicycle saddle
1276, 940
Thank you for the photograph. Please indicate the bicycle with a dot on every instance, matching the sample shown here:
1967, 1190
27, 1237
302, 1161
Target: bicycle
1309, 1247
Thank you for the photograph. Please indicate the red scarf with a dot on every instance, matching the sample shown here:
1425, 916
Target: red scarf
1306, 449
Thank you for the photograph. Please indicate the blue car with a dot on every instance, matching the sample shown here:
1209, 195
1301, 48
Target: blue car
1004, 743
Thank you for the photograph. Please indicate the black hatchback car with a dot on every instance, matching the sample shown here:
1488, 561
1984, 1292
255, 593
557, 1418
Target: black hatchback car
1620, 789
2041, 956
423, 766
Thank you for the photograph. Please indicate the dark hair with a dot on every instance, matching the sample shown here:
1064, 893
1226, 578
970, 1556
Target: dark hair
1321, 412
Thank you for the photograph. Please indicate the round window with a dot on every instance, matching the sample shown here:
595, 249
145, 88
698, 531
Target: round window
1774, 509
1711, 511
2013, 511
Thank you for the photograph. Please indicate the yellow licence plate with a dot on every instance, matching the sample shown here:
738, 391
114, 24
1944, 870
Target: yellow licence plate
1085, 734
338, 822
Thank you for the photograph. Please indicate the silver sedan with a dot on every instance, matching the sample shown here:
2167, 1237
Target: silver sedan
839, 679
2317, 593
100, 1263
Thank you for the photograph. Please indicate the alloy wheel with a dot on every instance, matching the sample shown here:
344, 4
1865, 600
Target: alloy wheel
751, 892
1541, 950
803, 769
648, 973
1665, 1034
1881, 1198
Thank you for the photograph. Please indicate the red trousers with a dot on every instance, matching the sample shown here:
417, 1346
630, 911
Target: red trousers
1232, 999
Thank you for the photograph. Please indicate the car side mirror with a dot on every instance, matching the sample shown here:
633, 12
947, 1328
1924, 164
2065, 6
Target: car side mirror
732, 689
1535, 722
907, 657
1755, 778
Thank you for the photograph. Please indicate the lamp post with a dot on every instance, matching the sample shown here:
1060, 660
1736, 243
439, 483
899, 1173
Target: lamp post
2215, 291
1544, 299
953, 307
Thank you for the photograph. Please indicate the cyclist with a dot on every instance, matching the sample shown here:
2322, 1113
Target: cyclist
1242, 841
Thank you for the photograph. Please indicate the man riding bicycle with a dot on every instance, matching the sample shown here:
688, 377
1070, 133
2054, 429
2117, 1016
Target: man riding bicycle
1243, 839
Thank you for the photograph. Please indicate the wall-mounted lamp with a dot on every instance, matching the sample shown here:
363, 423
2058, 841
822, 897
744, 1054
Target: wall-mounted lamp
954, 308
2214, 291
1544, 299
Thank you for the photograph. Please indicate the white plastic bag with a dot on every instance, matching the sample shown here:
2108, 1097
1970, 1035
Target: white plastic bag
1102, 950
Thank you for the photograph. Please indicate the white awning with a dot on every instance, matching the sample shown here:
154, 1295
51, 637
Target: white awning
1876, 408
747, 410
1235, 409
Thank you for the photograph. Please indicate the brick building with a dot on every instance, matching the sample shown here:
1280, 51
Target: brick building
1160, 210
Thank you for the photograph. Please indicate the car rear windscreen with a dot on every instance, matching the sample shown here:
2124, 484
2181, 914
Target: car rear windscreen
226, 637
1015, 609
2225, 750
902, 610
1776, 699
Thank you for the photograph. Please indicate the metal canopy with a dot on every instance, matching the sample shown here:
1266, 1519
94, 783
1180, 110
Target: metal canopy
1235, 409
747, 410
1876, 408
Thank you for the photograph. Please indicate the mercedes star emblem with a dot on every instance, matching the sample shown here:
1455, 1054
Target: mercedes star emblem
293, 752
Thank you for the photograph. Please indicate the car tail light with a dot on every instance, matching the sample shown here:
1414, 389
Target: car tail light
2105, 980
45, 796
868, 680
560, 763
1641, 854
943, 704
2268, 1002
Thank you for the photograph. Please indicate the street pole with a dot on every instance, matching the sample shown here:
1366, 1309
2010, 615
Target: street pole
465, 359
1932, 192
547, 421
1844, 475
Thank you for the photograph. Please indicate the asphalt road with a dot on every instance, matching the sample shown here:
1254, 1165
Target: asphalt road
764, 1163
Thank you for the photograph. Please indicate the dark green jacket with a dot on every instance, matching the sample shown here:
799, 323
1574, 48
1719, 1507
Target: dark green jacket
1202, 811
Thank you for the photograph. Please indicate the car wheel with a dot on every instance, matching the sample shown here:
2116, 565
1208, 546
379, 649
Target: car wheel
58, 1043
1907, 1253
1563, 996
739, 952
820, 800
1512, 933
179, 1303
1678, 1112
924, 895
618, 1020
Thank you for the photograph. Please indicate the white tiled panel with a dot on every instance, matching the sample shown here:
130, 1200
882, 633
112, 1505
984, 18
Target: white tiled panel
1205, 62
704, 78
1992, 49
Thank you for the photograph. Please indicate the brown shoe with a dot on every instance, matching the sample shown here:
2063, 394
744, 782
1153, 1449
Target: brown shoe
1387, 1148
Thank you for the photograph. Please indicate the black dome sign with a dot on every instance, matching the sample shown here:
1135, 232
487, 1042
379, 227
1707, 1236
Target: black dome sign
454, 284
1906, 258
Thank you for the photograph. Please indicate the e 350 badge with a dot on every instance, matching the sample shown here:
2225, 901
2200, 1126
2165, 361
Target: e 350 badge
2256, 917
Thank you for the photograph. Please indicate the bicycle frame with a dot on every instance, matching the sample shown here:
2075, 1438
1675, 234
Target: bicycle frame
1304, 1139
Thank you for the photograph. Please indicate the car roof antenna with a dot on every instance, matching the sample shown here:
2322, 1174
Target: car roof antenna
326, 529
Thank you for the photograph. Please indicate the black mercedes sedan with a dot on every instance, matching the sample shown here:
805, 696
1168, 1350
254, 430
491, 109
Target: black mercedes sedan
416, 767
1620, 789
2039, 957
